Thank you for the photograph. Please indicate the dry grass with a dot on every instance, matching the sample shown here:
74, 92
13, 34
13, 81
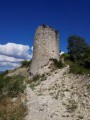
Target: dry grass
10, 110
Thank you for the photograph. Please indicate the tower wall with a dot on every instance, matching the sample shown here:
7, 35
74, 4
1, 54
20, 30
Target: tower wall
46, 47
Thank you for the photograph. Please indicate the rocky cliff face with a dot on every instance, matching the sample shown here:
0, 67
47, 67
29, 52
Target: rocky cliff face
46, 46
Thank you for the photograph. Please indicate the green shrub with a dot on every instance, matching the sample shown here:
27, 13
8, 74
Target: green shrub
66, 56
4, 73
25, 63
76, 69
57, 64
37, 80
11, 86
16, 85
36, 77
87, 63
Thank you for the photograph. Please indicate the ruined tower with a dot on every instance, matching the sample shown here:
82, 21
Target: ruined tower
46, 47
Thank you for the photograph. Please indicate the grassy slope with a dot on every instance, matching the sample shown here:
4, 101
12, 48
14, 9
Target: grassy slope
12, 95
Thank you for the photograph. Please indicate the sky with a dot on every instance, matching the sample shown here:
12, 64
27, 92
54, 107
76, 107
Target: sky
20, 18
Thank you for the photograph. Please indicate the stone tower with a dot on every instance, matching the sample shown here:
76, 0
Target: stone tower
46, 47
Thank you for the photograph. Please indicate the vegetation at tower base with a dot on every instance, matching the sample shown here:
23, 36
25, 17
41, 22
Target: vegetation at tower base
58, 64
11, 90
78, 55
26, 63
36, 80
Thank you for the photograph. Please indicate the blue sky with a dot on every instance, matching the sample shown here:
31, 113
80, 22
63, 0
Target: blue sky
20, 18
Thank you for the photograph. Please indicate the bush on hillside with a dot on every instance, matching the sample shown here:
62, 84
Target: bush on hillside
77, 69
11, 86
25, 63
57, 64
4, 73
66, 56
36, 80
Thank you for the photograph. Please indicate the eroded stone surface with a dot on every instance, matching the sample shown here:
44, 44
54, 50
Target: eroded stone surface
62, 96
46, 46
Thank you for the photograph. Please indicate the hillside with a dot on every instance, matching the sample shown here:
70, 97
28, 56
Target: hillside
59, 96
54, 95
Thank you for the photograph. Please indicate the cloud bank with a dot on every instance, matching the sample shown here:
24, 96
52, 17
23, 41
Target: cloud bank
11, 54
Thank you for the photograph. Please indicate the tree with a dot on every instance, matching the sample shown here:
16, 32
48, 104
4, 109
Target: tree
76, 47
87, 57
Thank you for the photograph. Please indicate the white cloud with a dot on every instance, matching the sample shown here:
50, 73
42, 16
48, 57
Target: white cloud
32, 48
61, 52
15, 50
9, 59
9, 64
12, 54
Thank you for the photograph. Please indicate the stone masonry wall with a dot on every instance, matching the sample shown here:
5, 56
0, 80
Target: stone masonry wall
46, 46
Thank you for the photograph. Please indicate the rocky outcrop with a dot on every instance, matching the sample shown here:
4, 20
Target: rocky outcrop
60, 96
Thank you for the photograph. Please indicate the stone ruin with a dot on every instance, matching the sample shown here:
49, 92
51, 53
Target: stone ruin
46, 47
